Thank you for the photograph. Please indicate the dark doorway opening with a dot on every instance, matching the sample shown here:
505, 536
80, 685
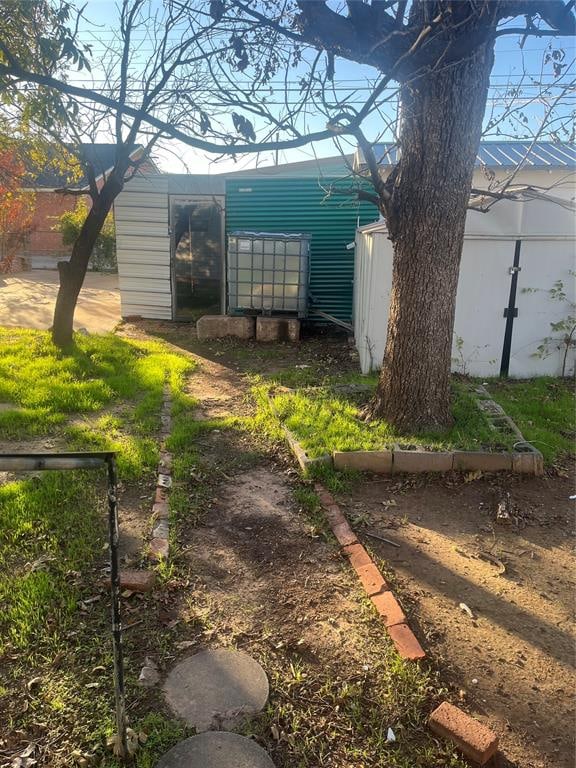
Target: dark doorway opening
197, 258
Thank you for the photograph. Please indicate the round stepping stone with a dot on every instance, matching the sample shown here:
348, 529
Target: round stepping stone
216, 689
216, 749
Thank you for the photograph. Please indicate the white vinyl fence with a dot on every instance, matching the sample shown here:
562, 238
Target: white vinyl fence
517, 272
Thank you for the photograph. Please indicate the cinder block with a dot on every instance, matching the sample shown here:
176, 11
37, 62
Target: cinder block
165, 464
528, 462
364, 461
476, 740
487, 462
421, 461
277, 329
161, 495
220, 326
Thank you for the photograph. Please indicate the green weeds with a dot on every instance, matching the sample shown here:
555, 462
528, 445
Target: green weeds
544, 411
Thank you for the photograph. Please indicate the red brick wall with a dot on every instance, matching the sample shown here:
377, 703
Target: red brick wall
45, 245
44, 242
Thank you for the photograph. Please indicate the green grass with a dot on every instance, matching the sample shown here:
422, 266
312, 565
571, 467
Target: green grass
47, 386
544, 410
324, 420
334, 717
106, 393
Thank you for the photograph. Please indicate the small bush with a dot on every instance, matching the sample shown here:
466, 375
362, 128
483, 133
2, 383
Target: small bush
103, 258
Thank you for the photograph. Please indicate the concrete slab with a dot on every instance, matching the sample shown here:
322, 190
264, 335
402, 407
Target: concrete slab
216, 749
27, 300
364, 461
216, 689
220, 326
277, 329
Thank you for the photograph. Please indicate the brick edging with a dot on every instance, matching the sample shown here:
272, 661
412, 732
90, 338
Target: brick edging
526, 461
158, 547
473, 738
397, 460
375, 585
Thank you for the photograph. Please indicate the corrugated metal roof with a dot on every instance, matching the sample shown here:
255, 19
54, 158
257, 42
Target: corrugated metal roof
500, 154
213, 184
195, 184
337, 165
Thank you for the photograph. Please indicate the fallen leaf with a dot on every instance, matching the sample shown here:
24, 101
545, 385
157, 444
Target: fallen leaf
466, 609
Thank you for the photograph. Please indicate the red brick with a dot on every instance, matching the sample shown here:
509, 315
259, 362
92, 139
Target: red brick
477, 741
406, 643
161, 495
372, 580
165, 461
389, 609
334, 515
326, 499
344, 534
160, 509
357, 555
158, 549
137, 581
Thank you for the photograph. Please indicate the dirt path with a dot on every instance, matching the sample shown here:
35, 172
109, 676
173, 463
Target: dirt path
263, 578
514, 660
265, 581
257, 560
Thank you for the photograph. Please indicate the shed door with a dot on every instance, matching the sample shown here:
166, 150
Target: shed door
197, 258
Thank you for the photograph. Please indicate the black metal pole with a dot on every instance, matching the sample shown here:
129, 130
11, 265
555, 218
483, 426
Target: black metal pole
510, 312
116, 618
14, 462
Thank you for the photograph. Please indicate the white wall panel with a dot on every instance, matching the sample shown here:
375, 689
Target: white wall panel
143, 248
483, 292
547, 254
542, 264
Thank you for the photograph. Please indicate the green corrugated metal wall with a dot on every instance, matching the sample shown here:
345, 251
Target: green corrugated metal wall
298, 205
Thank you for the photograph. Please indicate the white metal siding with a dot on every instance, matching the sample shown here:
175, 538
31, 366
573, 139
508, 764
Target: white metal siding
546, 231
143, 248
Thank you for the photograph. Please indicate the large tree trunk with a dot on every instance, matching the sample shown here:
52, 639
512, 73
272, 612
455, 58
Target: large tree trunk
73, 272
441, 127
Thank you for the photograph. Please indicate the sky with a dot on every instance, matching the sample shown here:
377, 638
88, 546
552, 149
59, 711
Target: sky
101, 24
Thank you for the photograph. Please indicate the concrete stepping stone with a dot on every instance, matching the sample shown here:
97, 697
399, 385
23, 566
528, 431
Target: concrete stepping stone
216, 749
216, 689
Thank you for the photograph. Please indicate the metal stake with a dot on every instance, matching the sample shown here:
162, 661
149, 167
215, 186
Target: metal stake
27, 462
115, 599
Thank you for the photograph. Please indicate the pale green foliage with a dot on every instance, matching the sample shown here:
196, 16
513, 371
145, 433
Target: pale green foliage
563, 331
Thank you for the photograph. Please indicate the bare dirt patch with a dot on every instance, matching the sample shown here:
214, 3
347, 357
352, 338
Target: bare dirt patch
513, 661
256, 553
